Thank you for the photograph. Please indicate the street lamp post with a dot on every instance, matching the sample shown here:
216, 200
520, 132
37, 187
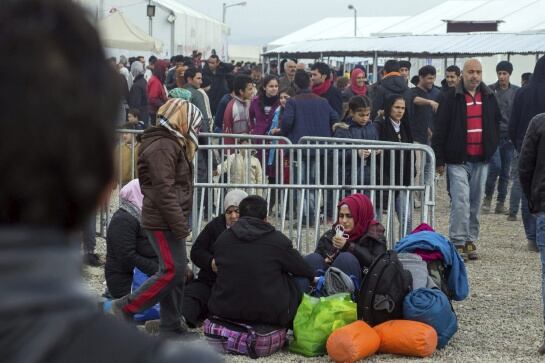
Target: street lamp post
226, 6
351, 7
223, 18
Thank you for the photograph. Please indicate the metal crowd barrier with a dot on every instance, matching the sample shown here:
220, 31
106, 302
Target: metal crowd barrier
303, 183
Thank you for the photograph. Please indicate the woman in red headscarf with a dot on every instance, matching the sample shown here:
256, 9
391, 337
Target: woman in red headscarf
357, 85
353, 242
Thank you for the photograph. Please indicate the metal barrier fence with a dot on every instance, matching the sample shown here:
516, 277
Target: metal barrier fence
303, 183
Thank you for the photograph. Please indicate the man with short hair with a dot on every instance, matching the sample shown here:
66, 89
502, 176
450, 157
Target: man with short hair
392, 83
170, 83
423, 108
465, 138
525, 78
193, 82
287, 80
256, 271
532, 179
452, 77
322, 85
47, 315
214, 73
405, 70
273, 68
500, 164
236, 119
149, 69
307, 114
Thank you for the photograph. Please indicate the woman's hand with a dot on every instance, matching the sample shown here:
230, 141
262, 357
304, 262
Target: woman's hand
338, 242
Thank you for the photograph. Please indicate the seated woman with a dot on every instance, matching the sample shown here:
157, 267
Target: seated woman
126, 243
197, 293
361, 242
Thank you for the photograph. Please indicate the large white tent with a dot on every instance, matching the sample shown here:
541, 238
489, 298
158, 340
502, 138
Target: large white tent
118, 32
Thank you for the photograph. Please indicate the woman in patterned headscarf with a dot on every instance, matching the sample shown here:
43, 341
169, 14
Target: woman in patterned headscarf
165, 173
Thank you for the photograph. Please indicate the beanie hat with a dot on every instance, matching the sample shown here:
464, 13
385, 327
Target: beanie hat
404, 64
233, 198
504, 66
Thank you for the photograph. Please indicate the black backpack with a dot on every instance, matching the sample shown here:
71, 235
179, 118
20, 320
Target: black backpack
383, 289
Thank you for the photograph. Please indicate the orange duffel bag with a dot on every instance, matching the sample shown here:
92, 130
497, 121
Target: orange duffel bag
406, 337
352, 342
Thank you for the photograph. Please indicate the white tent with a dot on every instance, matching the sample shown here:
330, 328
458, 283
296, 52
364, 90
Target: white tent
119, 33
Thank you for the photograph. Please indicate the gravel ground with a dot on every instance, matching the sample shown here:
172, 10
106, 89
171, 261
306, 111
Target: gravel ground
501, 320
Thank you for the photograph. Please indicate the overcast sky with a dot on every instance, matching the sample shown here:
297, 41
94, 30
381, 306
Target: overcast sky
262, 21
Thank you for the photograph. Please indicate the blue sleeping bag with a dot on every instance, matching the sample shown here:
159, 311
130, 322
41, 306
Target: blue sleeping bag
152, 313
432, 241
432, 307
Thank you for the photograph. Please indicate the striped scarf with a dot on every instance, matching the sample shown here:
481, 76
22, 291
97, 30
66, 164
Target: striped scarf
183, 120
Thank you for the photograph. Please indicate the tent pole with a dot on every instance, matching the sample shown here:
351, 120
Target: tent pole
344, 65
445, 65
375, 67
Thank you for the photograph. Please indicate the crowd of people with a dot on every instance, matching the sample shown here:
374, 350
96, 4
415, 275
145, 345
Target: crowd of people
249, 272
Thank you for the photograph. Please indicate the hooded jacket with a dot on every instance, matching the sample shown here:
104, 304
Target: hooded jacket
529, 101
532, 164
449, 139
166, 180
138, 97
254, 284
47, 316
391, 85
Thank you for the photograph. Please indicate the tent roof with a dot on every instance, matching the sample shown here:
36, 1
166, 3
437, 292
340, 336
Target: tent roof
455, 44
118, 32
514, 16
178, 8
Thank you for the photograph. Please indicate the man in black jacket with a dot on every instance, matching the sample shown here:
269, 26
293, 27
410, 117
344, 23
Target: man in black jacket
322, 85
47, 315
257, 266
214, 74
195, 306
465, 138
391, 84
532, 180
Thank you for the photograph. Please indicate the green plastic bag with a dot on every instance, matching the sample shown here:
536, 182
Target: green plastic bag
317, 318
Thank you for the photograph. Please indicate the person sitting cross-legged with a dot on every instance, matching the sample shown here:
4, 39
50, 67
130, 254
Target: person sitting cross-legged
257, 268
195, 306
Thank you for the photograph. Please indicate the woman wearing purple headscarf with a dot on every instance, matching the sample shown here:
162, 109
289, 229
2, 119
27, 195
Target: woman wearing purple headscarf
127, 244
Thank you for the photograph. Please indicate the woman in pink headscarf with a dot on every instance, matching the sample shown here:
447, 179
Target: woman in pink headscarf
127, 245
354, 240
357, 85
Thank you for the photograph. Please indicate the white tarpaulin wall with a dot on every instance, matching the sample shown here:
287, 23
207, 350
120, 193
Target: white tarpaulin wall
118, 32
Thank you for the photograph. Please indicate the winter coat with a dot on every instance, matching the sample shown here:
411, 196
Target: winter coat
285, 83
138, 97
505, 100
449, 139
201, 251
532, 164
220, 111
166, 180
157, 95
335, 99
217, 82
391, 85
529, 101
261, 123
307, 114
59, 321
256, 269
387, 132
236, 165
127, 247
366, 249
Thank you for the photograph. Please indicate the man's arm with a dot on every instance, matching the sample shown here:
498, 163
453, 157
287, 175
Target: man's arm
441, 130
528, 157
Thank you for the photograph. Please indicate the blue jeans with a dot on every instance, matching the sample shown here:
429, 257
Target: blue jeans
540, 241
500, 166
528, 219
345, 261
467, 183
516, 190
401, 208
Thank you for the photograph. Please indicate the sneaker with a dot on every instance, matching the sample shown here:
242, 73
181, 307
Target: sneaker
532, 246
512, 217
487, 202
500, 208
92, 259
462, 251
471, 251
152, 327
